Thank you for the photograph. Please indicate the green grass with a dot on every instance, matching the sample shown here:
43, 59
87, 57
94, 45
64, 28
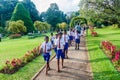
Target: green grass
16, 48
102, 67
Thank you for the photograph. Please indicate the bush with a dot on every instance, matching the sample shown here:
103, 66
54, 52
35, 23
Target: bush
112, 52
13, 36
15, 64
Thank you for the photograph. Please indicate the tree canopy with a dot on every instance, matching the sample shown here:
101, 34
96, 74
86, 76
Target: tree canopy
21, 13
53, 15
76, 20
103, 11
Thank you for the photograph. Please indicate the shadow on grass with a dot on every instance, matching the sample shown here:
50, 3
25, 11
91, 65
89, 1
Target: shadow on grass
98, 60
106, 75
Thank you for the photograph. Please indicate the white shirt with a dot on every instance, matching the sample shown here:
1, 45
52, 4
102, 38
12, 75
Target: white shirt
66, 38
62, 43
55, 40
48, 47
77, 35
52, 38
70, 33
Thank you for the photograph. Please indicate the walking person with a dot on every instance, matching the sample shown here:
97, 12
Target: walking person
66, 38
70, 33
46, 47
60, 50
78, 28
52, 38
77, 40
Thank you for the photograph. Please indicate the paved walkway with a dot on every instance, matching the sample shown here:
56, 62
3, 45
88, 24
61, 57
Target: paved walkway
77, 67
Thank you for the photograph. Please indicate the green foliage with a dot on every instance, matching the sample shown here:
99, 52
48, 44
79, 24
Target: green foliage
76, 20
102, 67
106, 10
41, 26
17, 27
53, 15
21, 13
6, 9
30, 6
62, 25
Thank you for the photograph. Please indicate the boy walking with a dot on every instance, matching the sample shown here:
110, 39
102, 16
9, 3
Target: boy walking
77, 40
46, 47
60, 50
66, 38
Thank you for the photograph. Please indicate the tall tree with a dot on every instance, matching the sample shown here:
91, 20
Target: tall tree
6, 9
21, 13
53, 15
34, 14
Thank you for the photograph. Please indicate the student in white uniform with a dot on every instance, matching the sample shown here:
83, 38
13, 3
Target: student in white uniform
77, 40
70, 36
60, 50
46, 47
66, 38
52, 38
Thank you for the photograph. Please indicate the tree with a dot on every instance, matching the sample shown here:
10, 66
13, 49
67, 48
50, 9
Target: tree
17, 27
41, 26
62, 25
76, 20
6, 9
53, 15
30, 6
20, 13
107, 10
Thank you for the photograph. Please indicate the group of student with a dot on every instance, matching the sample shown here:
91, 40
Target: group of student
60, 43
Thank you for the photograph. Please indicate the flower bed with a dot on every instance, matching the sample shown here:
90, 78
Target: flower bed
112, 52
15, 64
93, 33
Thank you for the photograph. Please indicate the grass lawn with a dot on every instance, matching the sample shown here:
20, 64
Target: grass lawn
101, 66
16, 48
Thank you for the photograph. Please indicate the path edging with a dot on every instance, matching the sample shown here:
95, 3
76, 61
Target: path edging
41, 69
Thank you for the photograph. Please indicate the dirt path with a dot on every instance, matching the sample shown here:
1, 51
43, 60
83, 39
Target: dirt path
77, 67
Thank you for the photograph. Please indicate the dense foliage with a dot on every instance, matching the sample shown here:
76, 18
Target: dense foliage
6, 12
17, 27
21, 13
53, 15
101, 11
41, 26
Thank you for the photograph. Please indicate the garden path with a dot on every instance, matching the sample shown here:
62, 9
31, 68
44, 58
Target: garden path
77, 67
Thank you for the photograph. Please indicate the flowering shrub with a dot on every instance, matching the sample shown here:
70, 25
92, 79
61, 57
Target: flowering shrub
112, 52
15, 64
13, 36
94, 34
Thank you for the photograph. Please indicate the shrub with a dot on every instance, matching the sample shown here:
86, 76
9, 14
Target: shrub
13, 36
15, 64
112, 52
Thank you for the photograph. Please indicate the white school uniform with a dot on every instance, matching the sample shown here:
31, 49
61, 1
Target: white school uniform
62, 43
77, 36
66, 38
48, 47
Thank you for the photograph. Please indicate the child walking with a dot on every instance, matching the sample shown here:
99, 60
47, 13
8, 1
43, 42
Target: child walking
77, 40
60, 50
52, 38
46, 47
66, 38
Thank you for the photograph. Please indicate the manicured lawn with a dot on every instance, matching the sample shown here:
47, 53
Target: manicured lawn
101, 66
16, 48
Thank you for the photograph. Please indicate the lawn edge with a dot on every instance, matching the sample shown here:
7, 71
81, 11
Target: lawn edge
89, 63
41, 69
